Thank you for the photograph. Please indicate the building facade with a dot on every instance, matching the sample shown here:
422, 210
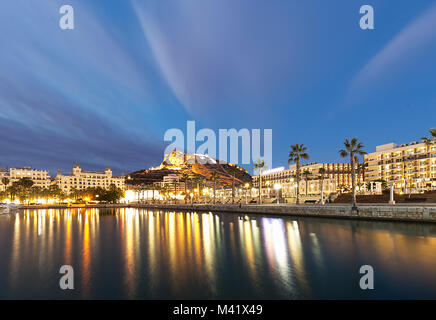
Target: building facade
411, 168
3, 174
79, 179
40, 178
172, 181
337, 178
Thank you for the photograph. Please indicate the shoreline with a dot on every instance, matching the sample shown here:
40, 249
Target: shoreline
380, 212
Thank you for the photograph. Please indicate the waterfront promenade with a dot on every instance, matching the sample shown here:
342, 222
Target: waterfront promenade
397, 212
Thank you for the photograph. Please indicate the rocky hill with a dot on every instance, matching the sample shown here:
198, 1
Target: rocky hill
195, 165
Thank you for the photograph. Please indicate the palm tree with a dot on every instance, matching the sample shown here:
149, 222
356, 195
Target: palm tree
5, 181
429, 142
360, 173
259, 165
185, 178
176, 184
26, 182
321, 172
198, 180
13, 190
233, 171
156, 187
432, 139
298, 152
214, 177
352, 149
74, 193
165, 189
306, 174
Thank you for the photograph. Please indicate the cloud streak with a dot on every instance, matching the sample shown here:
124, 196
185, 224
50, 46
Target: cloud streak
69, 96
220, 56
401, 49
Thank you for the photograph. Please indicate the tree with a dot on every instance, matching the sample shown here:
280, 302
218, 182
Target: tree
3, 195
353, 148
259, 165
156, 187
26, 183
298, 152
198, 180
432, 140
165, 189
112, 195
13, 190
185, 178
22, 189
55, 192
306, 174
5, 181
143, 188
360, 173
35, 192
322, 173
74, 194
214, 178
233, 171
176, 185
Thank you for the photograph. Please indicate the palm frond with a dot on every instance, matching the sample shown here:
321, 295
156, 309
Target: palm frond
343, 153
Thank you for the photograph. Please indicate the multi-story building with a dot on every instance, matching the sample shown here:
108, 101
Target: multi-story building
173, 182
409, 167
337, 177
40, 178
79, 179
3, 174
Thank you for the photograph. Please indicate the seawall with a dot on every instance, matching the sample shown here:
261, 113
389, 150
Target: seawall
410, 213
367, 212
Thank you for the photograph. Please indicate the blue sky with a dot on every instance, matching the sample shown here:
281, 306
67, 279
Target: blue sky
106, 92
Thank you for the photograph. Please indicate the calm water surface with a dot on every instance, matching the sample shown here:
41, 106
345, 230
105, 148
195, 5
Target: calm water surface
138, 253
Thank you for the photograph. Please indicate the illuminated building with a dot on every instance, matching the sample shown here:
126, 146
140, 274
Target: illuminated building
337, 177
40, 178
3, 174
173, 182
79, 179
410, 167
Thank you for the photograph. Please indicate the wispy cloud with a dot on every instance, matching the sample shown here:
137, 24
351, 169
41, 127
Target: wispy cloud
399, 51
219, 55
67, 96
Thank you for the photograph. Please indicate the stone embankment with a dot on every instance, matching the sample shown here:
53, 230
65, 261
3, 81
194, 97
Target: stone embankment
368, 212
413, 213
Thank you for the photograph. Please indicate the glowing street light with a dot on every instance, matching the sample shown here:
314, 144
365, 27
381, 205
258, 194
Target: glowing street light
247, 185
277, 187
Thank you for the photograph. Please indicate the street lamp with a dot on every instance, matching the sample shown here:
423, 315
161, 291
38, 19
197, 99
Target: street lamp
247, 185
277, 187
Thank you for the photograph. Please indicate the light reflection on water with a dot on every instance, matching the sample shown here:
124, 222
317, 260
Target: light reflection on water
136, 253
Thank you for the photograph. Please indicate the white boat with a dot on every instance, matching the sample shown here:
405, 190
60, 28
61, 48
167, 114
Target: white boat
8, 208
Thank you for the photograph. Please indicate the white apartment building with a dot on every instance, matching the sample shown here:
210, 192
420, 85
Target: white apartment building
40, 178
409, 167
173, 181
79, 179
